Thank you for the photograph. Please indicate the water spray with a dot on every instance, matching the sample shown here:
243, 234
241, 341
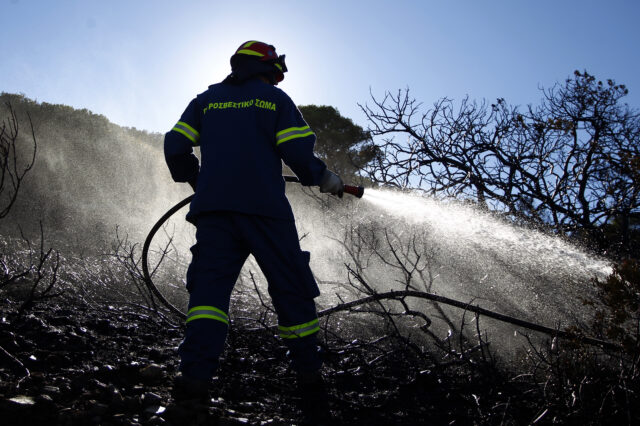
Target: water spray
358, 191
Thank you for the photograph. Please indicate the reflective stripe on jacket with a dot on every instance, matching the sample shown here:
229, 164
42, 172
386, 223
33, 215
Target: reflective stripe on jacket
244, 132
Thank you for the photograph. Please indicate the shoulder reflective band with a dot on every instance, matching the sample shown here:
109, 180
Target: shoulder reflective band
188, 131
208, 312
292, 133
297, 331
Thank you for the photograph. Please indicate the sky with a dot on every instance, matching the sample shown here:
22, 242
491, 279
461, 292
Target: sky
140, 62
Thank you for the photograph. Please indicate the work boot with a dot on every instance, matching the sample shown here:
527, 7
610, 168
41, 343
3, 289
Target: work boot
314, 400
186, 388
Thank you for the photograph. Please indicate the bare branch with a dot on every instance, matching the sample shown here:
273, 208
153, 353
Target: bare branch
13, 168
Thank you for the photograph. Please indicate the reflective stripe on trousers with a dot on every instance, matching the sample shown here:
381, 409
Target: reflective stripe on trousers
207, 312
301, 330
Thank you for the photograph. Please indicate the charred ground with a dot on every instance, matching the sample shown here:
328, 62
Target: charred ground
92, 357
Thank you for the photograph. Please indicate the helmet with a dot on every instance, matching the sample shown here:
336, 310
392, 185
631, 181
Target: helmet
265, 54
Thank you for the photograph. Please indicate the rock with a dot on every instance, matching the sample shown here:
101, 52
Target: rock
155, 409
76, 343
137, 390
44, 399
98, 384
98, 408
61, 320
155, 420
22, 400
127, 372
25, 410
51, 390
156, 354
107, 369
33, 324
149, 337
78, 383
117, 402
26, 344
152, 373
120, 419
132, 402
102, 326
126, 330
10, 344
232, 421
65, 413
150, 398
65, 312
58, 359
37, 377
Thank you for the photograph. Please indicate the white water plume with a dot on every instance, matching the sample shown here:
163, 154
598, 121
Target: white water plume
464, 226
470, 255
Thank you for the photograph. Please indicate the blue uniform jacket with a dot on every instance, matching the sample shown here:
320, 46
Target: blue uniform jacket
244, 131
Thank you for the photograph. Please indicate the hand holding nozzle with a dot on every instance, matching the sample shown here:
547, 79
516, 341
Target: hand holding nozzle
356, 191
332, 183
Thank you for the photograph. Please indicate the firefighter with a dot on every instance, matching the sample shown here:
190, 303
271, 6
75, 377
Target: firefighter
245, 127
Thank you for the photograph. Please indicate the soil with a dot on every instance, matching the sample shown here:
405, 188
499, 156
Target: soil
72, 361
68, 362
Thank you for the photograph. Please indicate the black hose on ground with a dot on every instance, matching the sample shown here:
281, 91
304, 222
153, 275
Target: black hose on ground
147, 243
145, 257
389, 295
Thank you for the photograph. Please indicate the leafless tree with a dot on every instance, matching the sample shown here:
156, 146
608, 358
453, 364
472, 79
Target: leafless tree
408, 271
125, 256
42, 273
571, 163
31, 270
13, 168
40, 267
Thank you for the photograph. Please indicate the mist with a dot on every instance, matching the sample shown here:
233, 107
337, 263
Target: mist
90, 176
401, 241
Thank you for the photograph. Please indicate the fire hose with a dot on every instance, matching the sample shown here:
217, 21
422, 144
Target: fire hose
358, 191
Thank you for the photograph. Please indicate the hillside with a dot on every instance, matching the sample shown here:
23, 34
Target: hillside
90, 174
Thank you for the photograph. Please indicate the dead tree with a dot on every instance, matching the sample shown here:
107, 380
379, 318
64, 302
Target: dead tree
126, 257
407, 263
570, 163
13, 168
41, 274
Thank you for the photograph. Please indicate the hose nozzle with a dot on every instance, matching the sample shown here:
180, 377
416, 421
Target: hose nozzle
356, 191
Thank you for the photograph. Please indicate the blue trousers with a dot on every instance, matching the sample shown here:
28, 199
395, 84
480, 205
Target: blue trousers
224, 240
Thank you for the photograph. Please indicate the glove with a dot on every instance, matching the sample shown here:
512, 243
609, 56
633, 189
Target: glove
331, 183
